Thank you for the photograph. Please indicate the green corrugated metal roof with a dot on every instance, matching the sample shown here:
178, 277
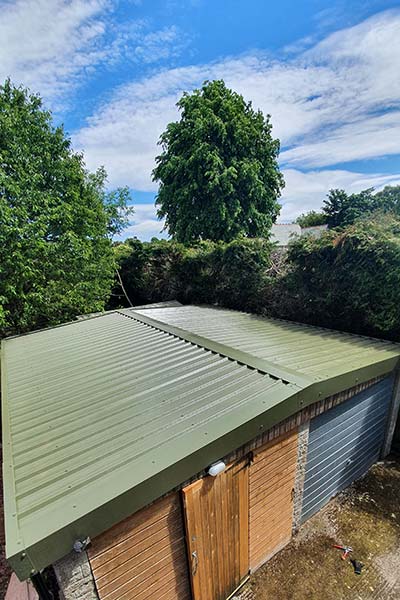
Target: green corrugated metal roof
312, 351
104, 415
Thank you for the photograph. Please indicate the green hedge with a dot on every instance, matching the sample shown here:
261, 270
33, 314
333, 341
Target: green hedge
347, 280
231, 274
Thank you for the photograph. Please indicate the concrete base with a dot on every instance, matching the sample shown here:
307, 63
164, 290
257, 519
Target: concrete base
20, 590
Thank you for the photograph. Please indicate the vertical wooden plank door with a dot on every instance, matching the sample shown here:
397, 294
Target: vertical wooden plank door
217, 532
271, 483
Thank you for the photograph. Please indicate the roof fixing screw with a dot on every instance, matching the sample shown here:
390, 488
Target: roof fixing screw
23, 555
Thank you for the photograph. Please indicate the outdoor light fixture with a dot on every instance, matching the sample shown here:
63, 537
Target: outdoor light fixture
216, 468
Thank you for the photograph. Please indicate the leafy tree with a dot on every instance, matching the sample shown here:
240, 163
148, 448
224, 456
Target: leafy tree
218, 171
56, 257
388, 199
311, 219
341, 209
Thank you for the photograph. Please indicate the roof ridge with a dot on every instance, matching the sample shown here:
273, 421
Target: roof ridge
288, 376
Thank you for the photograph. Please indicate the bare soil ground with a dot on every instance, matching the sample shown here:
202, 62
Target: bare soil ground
366, 517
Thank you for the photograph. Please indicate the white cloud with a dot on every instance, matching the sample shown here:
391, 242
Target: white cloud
145, 224
53, 46
324, 103
306, 191
47, 44
372, 137
157, 45
337, 101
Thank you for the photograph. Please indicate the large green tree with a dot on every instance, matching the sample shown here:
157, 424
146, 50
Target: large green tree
342, 209
218, 171
56, 221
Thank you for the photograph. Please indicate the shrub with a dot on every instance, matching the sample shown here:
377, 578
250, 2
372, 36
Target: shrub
347, 279
230, 274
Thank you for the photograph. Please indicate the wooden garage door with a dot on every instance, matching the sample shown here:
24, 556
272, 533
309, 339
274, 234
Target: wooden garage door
271, 482
144, 556
217, 517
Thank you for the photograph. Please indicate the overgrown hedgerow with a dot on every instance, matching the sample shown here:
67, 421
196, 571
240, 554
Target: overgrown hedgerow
348, 279
229, 274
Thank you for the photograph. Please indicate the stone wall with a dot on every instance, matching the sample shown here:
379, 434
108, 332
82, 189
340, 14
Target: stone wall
300, 474
74, 577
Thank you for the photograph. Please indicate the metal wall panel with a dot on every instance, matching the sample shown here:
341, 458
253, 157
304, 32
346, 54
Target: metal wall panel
343, 443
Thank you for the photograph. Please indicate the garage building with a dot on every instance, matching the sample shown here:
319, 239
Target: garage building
167, 452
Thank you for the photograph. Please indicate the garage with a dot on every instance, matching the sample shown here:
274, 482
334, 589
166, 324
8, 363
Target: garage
343, 443
113, 425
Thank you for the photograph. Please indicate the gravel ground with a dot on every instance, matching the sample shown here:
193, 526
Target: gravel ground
366, 517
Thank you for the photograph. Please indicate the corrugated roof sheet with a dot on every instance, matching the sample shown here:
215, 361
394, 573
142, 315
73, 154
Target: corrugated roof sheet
316, 352
94, 408
102, 416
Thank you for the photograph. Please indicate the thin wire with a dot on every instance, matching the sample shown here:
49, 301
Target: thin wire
123, 288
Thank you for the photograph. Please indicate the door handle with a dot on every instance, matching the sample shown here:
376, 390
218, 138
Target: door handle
195, 562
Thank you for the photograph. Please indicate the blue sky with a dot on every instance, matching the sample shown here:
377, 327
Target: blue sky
112, 71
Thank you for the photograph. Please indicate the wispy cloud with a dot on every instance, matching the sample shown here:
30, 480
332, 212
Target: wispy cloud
48, 44
331, 102
53, 46
145, 224
156, 45
324, 103
305, 191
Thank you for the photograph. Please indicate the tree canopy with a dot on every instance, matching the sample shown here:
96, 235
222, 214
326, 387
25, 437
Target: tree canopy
342, 209
57, 220
311, 219
218, 171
